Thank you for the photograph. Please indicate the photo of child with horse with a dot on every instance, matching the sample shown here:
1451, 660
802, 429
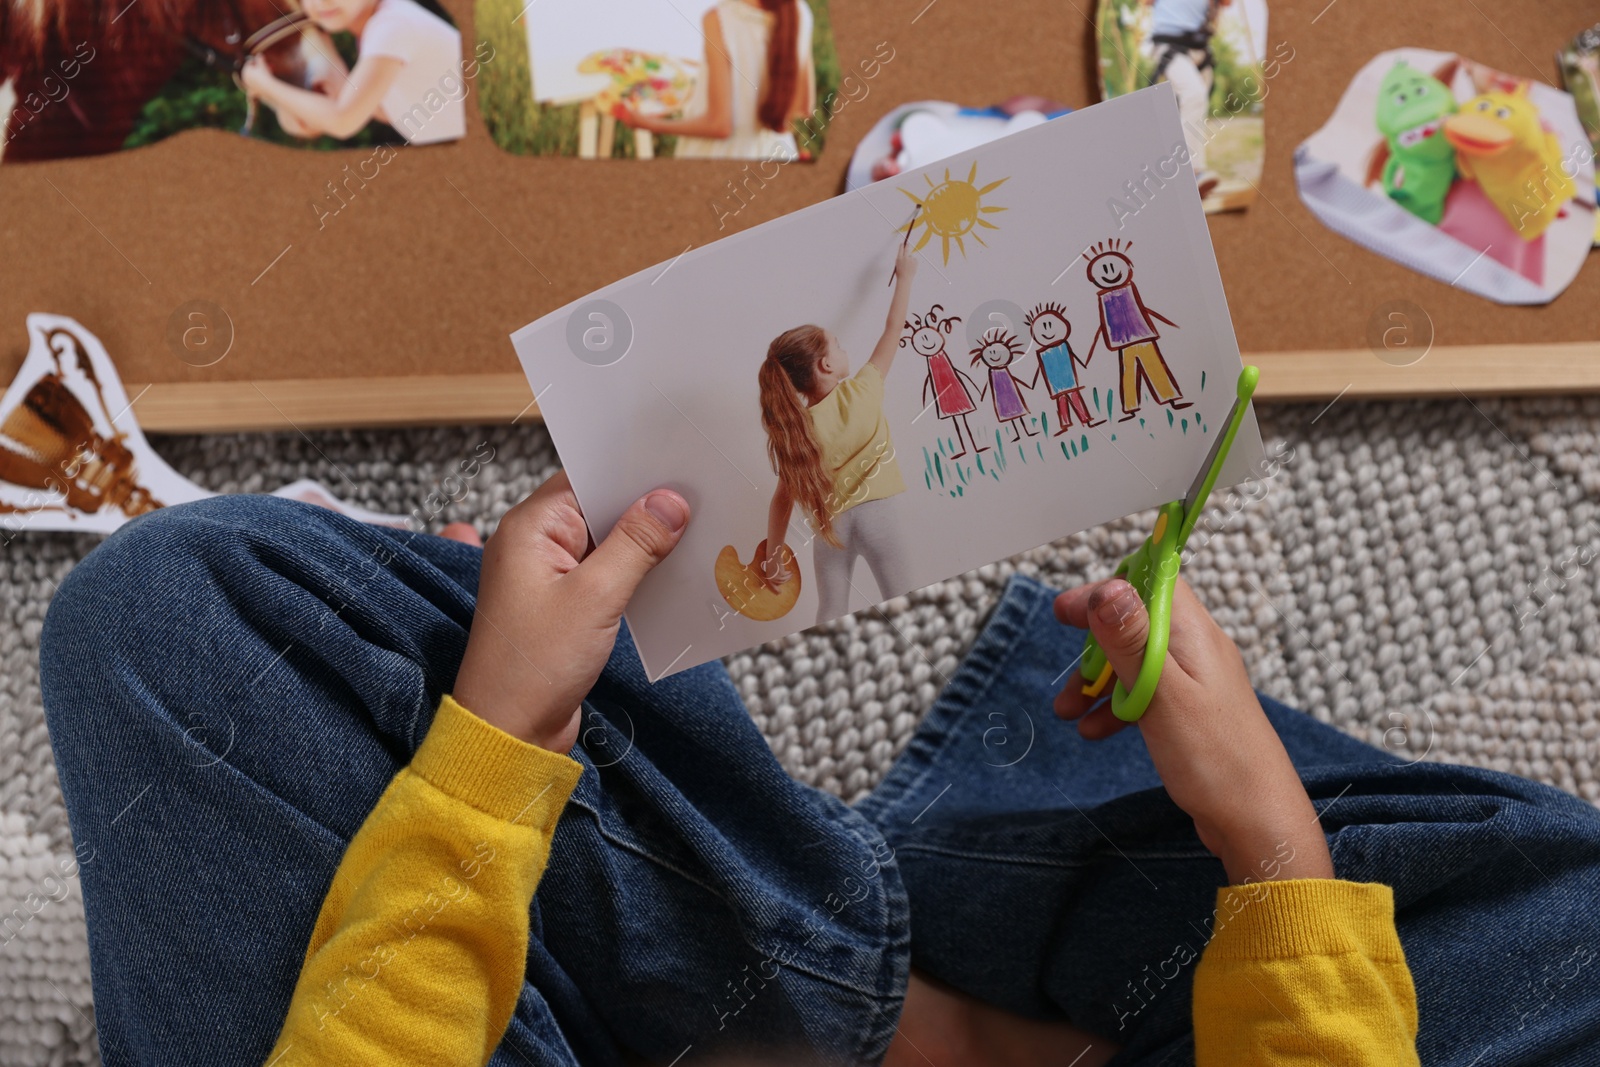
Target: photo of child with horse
99, 76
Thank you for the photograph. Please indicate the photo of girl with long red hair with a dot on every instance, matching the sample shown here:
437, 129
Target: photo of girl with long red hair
759, 77
829, 445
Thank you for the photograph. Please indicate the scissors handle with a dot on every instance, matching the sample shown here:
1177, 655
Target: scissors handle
1152, 570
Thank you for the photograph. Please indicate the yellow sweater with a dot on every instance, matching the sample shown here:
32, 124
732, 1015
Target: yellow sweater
418, 953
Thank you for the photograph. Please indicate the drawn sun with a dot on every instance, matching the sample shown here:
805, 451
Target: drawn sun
953, 210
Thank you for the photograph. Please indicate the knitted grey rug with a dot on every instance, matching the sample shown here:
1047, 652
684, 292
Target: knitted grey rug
1421, 575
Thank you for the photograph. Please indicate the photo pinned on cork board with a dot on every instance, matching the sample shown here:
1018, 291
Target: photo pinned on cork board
660, 79
72, 455
1215, 55
1580, 70
937, 371
1478, 178
88, 77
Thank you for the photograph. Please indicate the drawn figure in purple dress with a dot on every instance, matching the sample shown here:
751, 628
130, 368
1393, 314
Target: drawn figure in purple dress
997, 350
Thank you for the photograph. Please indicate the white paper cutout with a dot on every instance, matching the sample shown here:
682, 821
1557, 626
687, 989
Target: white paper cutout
72, 455
928, 131
652, 382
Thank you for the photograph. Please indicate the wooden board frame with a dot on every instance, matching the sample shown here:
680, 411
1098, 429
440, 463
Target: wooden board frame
397, 309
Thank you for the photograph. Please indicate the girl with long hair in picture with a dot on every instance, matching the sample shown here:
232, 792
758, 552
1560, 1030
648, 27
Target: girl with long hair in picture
758, 77
829, 444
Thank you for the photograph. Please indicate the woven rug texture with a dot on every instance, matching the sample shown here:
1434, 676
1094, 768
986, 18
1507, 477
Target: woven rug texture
1422, 575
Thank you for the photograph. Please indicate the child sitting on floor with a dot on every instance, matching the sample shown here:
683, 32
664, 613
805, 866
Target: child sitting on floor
360, 795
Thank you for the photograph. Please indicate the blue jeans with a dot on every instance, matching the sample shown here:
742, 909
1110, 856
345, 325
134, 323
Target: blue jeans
231, 684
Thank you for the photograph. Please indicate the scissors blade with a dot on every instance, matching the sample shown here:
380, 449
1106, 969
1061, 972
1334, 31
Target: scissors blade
1191, 499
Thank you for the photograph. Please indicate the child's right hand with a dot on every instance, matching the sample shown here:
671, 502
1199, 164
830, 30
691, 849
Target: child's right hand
256, 75
905, 265
1218, 755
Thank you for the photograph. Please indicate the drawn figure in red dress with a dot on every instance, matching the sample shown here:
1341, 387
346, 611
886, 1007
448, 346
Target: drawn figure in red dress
950, 389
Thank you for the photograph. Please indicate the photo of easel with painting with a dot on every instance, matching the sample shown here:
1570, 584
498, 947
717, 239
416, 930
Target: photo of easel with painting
642, 79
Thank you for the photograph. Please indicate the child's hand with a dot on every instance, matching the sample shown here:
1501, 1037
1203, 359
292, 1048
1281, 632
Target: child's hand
905, 265
549, 608
256, 75
1218, 755
773, 570
630, 117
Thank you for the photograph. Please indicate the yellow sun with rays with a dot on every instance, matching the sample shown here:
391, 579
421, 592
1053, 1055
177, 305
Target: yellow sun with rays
953, 210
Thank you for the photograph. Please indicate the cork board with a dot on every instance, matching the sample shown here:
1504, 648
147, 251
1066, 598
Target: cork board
398, 309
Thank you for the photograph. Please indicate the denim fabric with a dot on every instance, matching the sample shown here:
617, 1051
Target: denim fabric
1054, 877
231, 684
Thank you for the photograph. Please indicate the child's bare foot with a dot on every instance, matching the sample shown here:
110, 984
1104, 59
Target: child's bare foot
941, 1025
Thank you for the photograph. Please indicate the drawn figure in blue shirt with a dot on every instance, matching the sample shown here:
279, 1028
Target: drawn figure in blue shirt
1059, 364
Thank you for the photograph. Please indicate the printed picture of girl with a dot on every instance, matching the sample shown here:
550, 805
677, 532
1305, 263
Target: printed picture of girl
759, 77
407, 74
829, 444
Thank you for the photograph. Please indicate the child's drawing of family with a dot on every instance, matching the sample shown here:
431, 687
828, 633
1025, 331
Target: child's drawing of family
829, 443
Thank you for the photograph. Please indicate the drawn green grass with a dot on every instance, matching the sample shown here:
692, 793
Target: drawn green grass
952, 476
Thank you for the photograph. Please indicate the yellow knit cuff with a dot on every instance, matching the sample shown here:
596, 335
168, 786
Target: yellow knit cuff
465, 757
1305, 917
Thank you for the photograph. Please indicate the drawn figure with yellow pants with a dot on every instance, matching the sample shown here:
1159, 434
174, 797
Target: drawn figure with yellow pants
1127, 328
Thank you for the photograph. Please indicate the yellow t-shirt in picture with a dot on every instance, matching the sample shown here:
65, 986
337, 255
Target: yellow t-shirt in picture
854, 437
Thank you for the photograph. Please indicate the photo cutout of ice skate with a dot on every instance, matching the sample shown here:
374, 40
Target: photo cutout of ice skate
72, 455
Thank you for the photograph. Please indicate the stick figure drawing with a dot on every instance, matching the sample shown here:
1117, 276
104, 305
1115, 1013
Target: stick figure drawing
1059, 365
997, 349
951, 388
1126, 328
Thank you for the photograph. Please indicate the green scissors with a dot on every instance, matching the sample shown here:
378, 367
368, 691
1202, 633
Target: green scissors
1152, 570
